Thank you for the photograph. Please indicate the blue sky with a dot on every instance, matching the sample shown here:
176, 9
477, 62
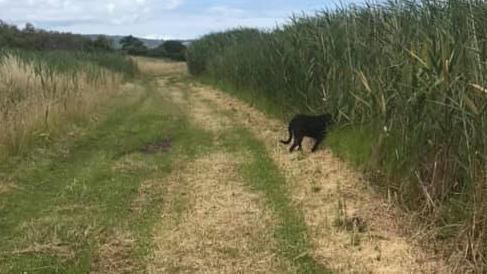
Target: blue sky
167, 19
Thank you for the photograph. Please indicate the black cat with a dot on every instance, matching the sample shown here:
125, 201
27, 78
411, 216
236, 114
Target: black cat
310, 126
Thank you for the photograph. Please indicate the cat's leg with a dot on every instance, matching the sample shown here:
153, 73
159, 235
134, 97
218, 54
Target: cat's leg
298, 139
317, 143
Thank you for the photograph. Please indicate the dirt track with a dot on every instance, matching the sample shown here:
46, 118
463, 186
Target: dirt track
350, 228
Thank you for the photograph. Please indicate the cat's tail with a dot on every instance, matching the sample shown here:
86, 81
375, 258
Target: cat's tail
290, 137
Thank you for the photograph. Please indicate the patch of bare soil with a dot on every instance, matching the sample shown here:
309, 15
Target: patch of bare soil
158, 146
352, 229
212, 224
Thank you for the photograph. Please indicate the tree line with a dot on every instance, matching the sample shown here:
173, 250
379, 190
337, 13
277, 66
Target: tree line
171, 49
32, 38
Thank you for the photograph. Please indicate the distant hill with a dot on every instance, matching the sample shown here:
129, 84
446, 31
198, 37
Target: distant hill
150, 43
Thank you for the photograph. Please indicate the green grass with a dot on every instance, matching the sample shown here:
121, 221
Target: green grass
74, 194
68, 197
354, 144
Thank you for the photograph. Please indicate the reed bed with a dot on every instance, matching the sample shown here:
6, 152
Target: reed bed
39, 92
410, 74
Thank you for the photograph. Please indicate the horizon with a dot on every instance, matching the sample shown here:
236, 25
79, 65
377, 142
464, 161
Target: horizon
151, 19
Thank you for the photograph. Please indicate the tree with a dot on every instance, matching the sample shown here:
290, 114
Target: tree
32, 38
133, 46
103, 43
158, 51
175, 50
29, 28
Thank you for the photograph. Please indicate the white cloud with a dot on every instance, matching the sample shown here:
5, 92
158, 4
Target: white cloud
172, 4
106, 11
226, 11
111, 8
153, 18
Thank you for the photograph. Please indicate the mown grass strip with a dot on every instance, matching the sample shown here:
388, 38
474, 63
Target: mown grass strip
264, 176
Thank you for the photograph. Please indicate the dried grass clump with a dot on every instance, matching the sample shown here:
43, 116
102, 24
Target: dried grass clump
115, 254
155, 67
59, 250
5, 186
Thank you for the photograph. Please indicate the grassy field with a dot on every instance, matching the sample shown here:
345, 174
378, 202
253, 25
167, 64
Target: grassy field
167, 175
63, 202
94, 198
405, 82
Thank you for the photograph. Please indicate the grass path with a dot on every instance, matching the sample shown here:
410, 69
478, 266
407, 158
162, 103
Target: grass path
350, 228
259, 173
82, 203
175, 177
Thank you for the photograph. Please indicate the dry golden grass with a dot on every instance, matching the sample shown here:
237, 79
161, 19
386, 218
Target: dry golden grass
147, 192
5, 187
59, 250
133, 163
31, 104
223, 228
114, 255
44, 236
155, 67
319, 182
202, 113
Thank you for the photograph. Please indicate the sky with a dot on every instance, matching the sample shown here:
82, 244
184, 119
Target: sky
160, 19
